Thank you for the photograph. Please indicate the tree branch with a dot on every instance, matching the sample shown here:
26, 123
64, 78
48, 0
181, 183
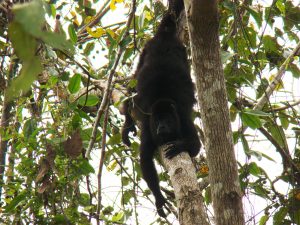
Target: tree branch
277, 79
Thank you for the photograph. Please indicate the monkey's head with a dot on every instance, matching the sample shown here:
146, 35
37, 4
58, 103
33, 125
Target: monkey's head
164, 121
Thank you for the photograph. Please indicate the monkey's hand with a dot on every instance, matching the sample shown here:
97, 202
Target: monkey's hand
160, 204
126, 130
173, 148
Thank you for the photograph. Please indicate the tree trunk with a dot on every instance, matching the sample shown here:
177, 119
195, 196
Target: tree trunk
202, 16
191, 210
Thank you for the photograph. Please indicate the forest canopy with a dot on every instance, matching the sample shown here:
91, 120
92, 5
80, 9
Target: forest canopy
64, 69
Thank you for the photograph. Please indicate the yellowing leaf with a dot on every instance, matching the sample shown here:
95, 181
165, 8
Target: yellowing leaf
95, 33
75, 21
111, 33
279, 85
148, 15
88, 19
73, 13
113, 4
112, 165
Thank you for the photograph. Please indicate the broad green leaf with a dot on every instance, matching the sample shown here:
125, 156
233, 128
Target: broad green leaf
84, 199
281, 6
72, 33
226, 56
23, 43
118, 217
251, 121
15, 202
257, 113
277, 133
57, 41
132, 83
74, 84
245, 145
115, 139
127, 196
29, 72
284, 120
263, 220
279, 216
270, 44
294, 69
90, 101
29, 128
254, 169
30, 15
85, 168
88, 48
256, 16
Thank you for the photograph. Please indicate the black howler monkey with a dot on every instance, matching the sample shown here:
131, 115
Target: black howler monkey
164, 101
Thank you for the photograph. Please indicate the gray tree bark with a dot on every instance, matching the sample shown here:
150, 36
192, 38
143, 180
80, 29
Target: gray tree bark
191, 210
202, 17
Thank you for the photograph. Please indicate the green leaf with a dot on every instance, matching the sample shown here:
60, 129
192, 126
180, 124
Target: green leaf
257, 113
31, 18
263, 220
88, 48
132, 83
15, 202
279, 216
115, 139
256, 16
254, 169
283, 120
29, 128
226, 56
23, 43
72, 33
57, 41
91, 100
245, 145
281, 6
74, 84
85, 168
30, 15
29, 72
270, 44
251, 121
118, 217
277, 133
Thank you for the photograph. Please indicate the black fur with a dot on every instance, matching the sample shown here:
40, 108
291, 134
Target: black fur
164, 101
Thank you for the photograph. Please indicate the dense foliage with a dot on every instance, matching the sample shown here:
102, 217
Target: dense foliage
63, 68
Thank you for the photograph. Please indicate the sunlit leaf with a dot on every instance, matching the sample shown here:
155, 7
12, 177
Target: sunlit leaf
20, 198
98, 32
29, 72
251, 121
254, 169
263, 220
279, 216
74, 84
91, 100
72, 33
23, 43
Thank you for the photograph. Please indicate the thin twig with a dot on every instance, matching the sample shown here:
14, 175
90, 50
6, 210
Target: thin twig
108, 86
290, 105
263, 100
101, 162
96, 19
